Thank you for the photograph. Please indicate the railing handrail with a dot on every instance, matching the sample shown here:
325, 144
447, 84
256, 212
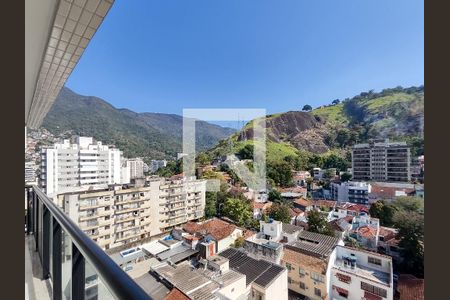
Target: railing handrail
115, 279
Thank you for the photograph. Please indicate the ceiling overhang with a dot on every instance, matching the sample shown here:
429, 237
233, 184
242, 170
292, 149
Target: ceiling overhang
56, 34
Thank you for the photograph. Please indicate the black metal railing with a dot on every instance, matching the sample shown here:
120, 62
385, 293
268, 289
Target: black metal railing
77, 266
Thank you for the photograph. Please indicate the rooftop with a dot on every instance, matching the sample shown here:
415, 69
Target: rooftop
314, 244
256, 270
363, 271
176, 294
288, 228
217, 228
366, 232
410, 287
302, 202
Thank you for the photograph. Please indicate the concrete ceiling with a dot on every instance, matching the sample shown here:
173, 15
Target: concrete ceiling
56, 34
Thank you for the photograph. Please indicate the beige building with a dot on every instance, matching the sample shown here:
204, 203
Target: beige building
307, 263
121, 214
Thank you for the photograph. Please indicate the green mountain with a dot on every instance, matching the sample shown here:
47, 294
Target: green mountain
151, 135
331, 130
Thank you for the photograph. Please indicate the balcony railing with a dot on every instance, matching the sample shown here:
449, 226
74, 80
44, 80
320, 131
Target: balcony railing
70, 258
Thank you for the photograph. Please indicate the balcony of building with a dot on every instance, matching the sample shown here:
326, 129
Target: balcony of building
62, 262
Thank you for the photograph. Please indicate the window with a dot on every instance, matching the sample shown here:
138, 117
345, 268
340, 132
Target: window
302, 285
317, 292
301, 272
373, 289
317, 277
289, 280
288, 266
374, 260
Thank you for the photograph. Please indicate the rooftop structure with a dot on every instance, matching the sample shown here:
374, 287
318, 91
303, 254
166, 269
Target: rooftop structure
358, 273
410, 287
314, 244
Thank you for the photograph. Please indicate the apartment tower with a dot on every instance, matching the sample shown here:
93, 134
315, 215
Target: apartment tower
83, 163
381, 160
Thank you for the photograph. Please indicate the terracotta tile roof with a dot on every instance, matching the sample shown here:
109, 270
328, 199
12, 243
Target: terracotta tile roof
302, 202
387, 233
176, 294
355, 207
410, 287
294, 212
367, 232
217, 228
387, 192
324, 203
297, 189
261, 205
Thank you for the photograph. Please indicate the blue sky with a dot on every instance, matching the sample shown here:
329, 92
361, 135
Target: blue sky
166, 55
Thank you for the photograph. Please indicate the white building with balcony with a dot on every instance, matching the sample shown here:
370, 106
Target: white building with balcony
358, 274
67, 165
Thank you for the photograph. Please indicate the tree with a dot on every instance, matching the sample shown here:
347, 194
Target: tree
280, 212
318, 223
238, 210
411, 233
280, 172
409, 204
346, 177
274, 195
336, 101
309, 181
307, 107
211, 204
203, 159
329, 173
239, 242
246, 152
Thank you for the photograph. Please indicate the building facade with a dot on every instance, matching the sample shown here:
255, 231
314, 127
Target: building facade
358, 274
381, 161
122, 214
307, 261
136, 166
84, 163
352, 191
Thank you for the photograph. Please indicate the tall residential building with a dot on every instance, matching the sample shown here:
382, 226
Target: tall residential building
352, 191
136, 166
123, 214
381, 161
83, 163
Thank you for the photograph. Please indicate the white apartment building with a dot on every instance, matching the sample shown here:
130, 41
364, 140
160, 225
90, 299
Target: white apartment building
352, 191
136, 166
358, 274
120, 214
83, 163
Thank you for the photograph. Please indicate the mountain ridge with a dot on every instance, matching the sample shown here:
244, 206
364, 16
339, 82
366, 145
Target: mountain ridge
151, 135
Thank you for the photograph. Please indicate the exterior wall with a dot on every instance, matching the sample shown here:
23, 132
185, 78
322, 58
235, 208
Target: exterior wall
381, 161
309, 265
353, 287
277, 289
233, 290
273, 229
226, 242
66, 166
